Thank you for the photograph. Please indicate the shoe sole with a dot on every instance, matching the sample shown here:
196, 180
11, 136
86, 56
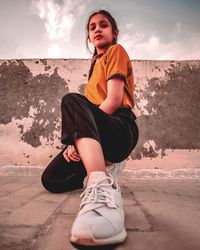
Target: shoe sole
87, 239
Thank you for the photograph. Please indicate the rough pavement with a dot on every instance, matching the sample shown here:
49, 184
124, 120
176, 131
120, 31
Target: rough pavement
160, 215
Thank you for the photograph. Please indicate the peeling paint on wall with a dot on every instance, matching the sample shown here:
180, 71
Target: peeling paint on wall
166, 98
21, 96
169, 116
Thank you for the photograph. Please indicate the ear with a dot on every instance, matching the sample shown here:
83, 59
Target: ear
114, 37
115, 34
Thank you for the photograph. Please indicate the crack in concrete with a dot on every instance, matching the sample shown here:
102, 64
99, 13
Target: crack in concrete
149, 218
48, 223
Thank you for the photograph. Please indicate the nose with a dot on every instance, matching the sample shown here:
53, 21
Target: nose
97, 29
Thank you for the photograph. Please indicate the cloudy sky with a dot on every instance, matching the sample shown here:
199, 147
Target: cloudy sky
149, 29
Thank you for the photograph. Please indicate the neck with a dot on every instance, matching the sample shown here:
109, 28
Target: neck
103, 49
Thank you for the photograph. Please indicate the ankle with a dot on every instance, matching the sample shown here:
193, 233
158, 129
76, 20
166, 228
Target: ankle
95, 176
97, 171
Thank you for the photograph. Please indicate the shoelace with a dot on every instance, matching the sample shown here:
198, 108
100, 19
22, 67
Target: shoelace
99, 192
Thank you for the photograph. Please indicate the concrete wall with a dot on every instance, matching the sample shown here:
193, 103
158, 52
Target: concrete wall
167, 97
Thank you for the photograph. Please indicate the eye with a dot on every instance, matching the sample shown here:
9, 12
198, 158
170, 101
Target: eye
92, 27
104, 25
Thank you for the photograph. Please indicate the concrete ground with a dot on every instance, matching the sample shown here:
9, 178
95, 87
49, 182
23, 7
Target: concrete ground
161, 214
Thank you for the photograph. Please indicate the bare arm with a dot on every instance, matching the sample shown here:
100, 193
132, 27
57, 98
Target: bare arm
115, 90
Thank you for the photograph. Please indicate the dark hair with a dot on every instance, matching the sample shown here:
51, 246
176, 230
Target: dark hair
115, 30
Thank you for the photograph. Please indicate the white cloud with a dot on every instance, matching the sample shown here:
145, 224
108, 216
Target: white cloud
59, 19
54, 51
129, 25
139, 47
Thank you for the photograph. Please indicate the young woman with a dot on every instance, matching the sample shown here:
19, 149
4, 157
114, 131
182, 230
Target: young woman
98, 129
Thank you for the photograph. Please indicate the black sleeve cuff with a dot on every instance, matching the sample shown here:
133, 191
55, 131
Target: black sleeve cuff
120, 76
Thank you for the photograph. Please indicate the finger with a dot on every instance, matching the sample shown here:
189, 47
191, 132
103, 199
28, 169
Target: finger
76, 154
73, 152
69, 147
70, 150
66, 156
74, 158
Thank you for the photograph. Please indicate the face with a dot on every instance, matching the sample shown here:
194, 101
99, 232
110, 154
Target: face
100, 32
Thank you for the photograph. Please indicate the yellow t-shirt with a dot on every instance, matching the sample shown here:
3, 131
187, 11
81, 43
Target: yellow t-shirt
113, 63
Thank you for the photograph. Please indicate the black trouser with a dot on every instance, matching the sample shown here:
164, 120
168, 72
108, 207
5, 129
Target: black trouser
117, 134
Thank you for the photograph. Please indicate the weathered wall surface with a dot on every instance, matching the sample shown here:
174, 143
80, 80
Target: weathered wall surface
167, 105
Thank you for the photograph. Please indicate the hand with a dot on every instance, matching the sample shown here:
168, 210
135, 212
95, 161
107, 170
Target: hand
70, 153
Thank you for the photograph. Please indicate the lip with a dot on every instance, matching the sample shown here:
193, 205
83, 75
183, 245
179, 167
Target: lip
98, 37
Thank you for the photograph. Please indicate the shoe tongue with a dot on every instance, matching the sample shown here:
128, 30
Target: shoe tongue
95, 177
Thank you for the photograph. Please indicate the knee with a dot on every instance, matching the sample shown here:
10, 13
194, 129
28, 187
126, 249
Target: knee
46, 183
69, 98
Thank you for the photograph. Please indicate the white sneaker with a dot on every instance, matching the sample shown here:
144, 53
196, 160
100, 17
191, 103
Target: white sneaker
115, 169
100, 220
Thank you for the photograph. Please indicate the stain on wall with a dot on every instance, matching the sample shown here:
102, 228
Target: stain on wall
37, 98
172, 105
166, 97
